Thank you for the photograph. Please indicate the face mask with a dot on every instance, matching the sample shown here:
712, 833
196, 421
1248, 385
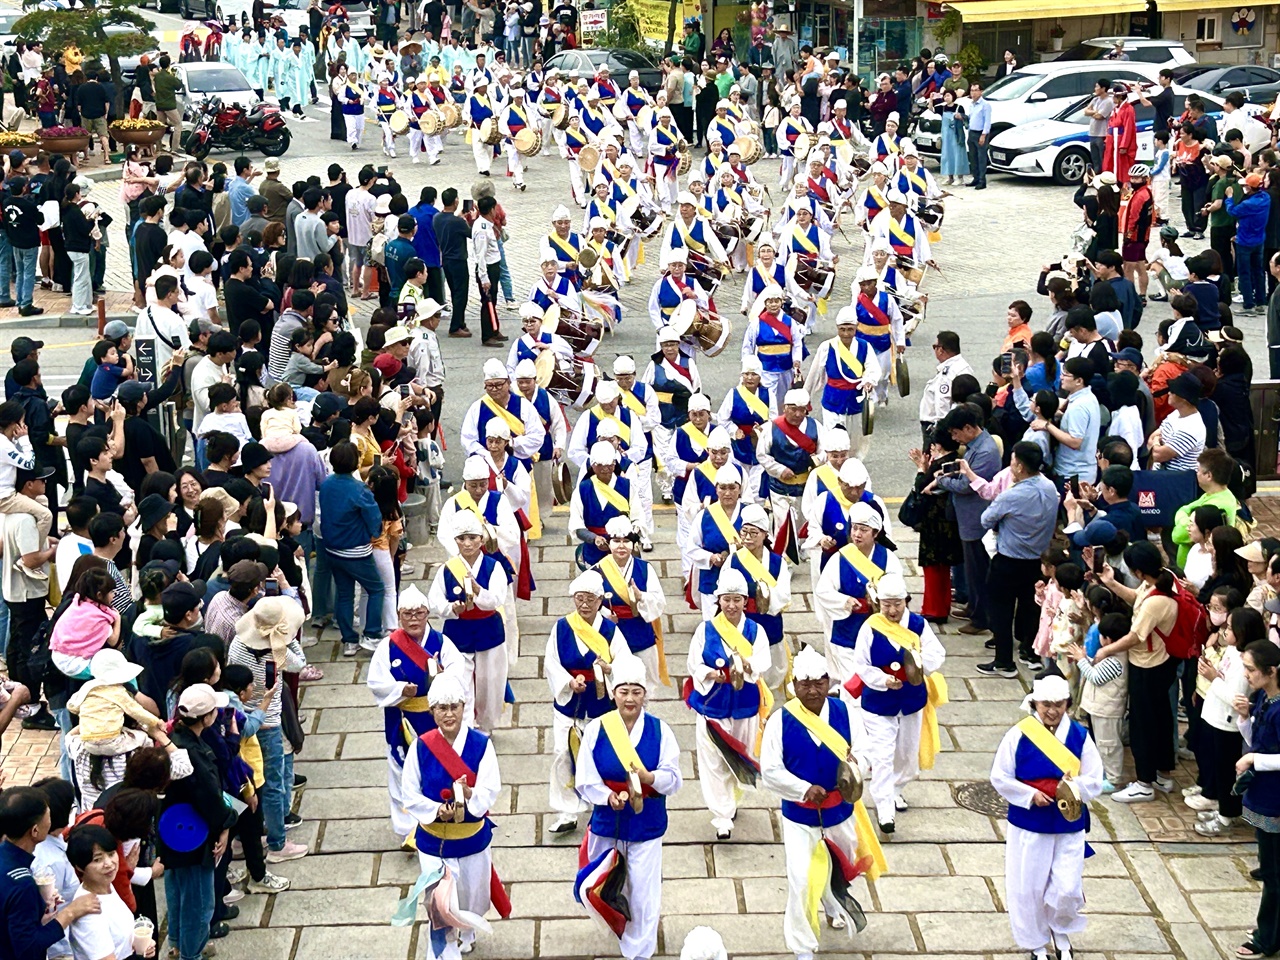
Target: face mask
1217, 617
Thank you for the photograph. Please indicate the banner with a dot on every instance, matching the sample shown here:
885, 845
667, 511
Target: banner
652, 16
591, 22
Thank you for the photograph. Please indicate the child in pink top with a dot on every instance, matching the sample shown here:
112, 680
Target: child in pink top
85, 627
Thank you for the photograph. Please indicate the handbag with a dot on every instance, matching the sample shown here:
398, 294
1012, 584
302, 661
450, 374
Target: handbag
911, 512
1081, 237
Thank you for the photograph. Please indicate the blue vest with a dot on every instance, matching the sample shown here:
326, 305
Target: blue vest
674, 411
742, 416
713, 541
485, 630
814, 763
637, 631
686, 452
625, 824
542, 403
881, 341
773, 349
771, 623
909, 698
585, 705
404, 670
723, 702
835, 524
792, 457
484, 414
795, 246
434, 782
1030, 764
844, 400
757, 281
844, 633
595, 516
479, 112
526, 352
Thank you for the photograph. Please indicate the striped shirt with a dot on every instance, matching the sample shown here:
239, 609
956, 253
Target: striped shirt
122, 596
1185, 436
256, 661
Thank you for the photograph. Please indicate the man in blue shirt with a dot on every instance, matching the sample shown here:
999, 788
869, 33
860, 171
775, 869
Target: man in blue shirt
979, 130
398, 252
425, 244
240, 189
902, 91
1023, 516
1078, 426
24, 821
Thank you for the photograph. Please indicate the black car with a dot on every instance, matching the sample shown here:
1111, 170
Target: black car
621, 62
1258, 84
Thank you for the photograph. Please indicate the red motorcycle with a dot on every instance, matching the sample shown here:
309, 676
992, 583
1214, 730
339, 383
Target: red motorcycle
232, 127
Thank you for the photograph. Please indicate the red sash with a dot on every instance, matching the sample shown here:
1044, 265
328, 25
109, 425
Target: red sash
819, 190
404, 643
782, 329
845, 132
447, 757
797, 436
740, 173
684, 371
870, 306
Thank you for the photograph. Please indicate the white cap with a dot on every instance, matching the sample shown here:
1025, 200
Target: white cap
686, 197
728, 474
475, 467
517, 92
892, 117
608, 430
809, 664
530, 311
754, 515
618, 527
881, 243
593, 95
735, 89
836, 438
467, 523
633, 75
879, 167
718, 439
666, 112
599, 223
411, 598
772, 292
495, 369
445, 689
723, 104
608, 391
1051, 689
497, 428
668, 335
847, 316
731, 581
703, 943
627, 160
866, 273
796, 397
545, 252
865, 514
699, 401
833, 55
853, 471
603, 452
895, 196
675, 255
589, 581
525, 370
560, 213
629, 669
623, 365
892, 587
696, 176
751, 364
908, 149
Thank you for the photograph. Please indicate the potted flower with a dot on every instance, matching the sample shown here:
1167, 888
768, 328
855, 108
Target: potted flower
12, 140
1056, 33
144, 132
65, 140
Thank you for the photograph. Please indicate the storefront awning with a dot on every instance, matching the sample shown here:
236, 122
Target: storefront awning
984, 11
1173, 6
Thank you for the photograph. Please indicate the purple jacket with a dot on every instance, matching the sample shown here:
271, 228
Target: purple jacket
296, 475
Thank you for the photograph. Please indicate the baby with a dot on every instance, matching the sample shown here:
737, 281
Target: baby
103, 703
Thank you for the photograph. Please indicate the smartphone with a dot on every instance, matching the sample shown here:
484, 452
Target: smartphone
1006, 364
267, 491
1099, 558
1074, 483
951, 466
405, 390
270, 670
406, 310
271, 588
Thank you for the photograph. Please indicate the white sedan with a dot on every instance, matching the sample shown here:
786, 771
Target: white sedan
214, 79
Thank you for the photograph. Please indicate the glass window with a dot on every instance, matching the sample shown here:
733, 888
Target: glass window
1067, 85
216, 80
1154, 54
1234, 78
1014, 87
1262, 75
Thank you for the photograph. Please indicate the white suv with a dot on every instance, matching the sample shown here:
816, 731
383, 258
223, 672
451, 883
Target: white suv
1157, 53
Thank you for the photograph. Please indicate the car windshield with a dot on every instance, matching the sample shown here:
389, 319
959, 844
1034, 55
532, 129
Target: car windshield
1075, 112
7, 21
1184, 75
1013, 86
631, 59
216, 80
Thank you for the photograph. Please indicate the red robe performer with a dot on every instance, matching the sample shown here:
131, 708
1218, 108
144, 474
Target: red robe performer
1121, 149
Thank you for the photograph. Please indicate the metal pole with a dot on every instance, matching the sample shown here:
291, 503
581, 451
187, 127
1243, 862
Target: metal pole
856, 32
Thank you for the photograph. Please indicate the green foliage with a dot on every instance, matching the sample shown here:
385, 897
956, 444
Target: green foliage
972, 62
84, 28
948, 26
624, 30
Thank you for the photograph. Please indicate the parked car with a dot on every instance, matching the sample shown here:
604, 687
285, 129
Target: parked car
1037, 92
1157, 53
293, 12
1059, 146
621, 61
204, 80
1258, 84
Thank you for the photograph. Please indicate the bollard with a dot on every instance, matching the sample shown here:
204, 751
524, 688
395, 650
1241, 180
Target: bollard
415, 519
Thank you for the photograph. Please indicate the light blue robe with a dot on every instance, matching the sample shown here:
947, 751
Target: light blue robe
259, 60
293, 80
279, 67
231, 49
308, 56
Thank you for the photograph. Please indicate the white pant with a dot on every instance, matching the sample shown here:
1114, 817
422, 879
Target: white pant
779, 504
1160, 194
575, 183
403, 824
852, 422
886, 366
668, 187
788, 172
419, 142
1106, 734
777, 671
777, 383
482, 152
663, 439
564, 799
81, 281
355, 127
551, 137
720, 788
388, 137
642, 475
1044, 886
798, 843
643, 890
471, 875
387, 570
649, 657
637, 141
488, 670
840, 665
893, 748
515, 163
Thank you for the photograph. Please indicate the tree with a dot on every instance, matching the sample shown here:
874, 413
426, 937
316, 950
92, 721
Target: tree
86, 29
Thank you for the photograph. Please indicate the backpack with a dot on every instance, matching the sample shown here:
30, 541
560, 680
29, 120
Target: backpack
1191, 628
377, 248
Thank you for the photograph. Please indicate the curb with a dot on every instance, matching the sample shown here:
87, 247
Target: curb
67, 320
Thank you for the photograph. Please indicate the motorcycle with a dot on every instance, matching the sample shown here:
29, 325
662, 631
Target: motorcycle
232, 127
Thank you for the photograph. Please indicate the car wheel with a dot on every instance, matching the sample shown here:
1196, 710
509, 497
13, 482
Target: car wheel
1068, 169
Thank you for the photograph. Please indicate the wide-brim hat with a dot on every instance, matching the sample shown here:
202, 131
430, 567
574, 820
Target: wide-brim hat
272, 621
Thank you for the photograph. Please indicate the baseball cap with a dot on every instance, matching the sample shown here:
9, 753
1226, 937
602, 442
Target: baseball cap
248, 571
131, 391
26, 476
1098, 533
387, 365
23, 347
115, 330
327, 405
1186, 386
180, 598
1129, 355
200, 699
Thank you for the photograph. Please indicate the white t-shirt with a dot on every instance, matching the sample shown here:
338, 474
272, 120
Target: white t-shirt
203, 295
1177, 266
20, 538
71, 548
99, 935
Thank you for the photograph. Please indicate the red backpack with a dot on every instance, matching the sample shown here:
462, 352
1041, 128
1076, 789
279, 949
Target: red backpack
1191, 628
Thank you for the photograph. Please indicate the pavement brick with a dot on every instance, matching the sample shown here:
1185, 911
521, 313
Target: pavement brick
315, 908
356, 943
934, 894
256, 944
317, 872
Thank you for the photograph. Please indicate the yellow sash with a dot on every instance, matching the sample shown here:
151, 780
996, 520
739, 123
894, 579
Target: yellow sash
610, 570
633, 403
820, 728
895, 633
611, 495
458, 567
686, 234
696, 437
828, 475
756, 567
1044, 740
847, 357
564, 245
753, 402
514, 422
900, 232
465, 501
935, 683
915, 180
620, 739
805, 243
590, 636
736, 641
867, 567
723, 523
624, 431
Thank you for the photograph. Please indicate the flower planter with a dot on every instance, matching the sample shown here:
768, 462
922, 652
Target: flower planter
1057, 43
143, 138
67, 146
29, 150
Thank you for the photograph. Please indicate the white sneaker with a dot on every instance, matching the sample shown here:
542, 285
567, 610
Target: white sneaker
349, 649
1164, 784
236, 874
290, 851
900, 803
563, 824
235, 896
1214, 827
1192, 791
1201, 803
270, 883
370, 643
1204, 816
1134, 793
